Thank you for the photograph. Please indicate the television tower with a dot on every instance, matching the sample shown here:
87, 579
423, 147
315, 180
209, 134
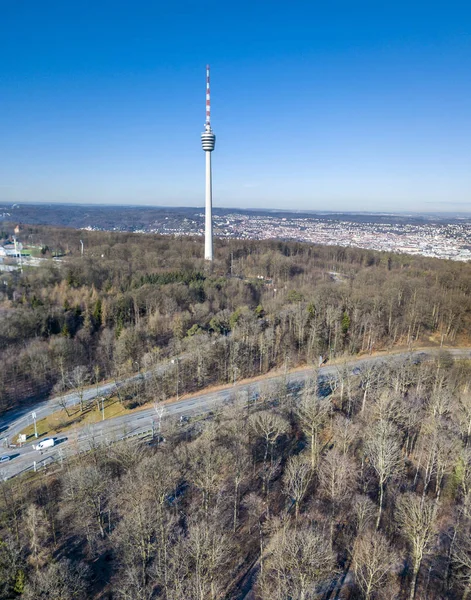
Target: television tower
208, 140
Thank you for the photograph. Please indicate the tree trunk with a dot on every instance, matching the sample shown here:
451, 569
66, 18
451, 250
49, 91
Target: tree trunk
467, 591
313, 450
363, 403
381, 493
415, 578
236, 498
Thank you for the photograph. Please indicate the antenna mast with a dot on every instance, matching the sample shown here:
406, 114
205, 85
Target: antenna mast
208, 101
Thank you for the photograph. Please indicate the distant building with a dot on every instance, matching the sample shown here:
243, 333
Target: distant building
10, 250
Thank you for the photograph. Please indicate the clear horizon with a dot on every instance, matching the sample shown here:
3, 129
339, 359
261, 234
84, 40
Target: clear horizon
456, 213
340, 108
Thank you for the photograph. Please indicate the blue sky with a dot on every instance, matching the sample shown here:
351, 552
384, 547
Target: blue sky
315, 105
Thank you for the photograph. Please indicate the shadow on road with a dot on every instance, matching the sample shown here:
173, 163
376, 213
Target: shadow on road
58, 441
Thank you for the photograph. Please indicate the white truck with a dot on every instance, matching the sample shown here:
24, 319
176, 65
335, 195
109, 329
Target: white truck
44, 444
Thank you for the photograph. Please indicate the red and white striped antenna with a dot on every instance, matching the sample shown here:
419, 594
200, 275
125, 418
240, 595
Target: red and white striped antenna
208, 100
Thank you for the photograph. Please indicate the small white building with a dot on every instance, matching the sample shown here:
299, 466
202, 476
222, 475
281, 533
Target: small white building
11, 250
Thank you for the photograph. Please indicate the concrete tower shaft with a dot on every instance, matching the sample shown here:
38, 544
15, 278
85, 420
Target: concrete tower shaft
208, 213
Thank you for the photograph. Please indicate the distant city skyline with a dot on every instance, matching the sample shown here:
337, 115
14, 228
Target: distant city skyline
436, 236
339, 107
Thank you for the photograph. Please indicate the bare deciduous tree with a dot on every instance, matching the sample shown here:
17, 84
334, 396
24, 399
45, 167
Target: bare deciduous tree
270, 427
383, 451
388, 406
313, 413
240, 467
208, 551
62, 580
298, 563
35, 522
416, 518
77, 380
369, 374
461, 560
364, 511
344, 433
59, 389
464, 415
296, 479
447, 454
87, 487
206, 467
135, 536
337, 481
372, 561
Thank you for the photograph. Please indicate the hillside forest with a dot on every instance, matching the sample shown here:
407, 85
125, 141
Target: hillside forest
354, 487
133, 300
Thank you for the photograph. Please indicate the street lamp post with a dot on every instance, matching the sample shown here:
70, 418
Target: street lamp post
33, 415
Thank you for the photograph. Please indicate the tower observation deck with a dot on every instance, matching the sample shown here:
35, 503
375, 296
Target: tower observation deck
208, 139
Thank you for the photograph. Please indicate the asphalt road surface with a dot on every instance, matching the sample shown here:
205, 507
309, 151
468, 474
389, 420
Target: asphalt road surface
141, 421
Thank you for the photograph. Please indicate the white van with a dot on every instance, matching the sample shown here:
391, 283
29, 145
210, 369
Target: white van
44, 444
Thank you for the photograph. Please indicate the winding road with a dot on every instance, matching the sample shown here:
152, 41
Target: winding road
145, 420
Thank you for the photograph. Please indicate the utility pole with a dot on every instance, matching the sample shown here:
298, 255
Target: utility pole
102, 408
81, 249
